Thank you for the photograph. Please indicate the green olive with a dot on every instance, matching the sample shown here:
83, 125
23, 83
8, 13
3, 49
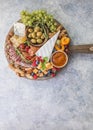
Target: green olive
30, 30
39, 34
42, 37
29, 35
33, 40
33, 35
39, 41
36, 29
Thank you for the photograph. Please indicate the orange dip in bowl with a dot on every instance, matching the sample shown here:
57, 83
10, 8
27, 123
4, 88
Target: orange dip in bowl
59, 59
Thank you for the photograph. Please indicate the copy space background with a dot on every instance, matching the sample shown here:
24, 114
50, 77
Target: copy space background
64, 102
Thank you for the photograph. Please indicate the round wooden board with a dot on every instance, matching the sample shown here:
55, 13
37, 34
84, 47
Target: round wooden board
7, 53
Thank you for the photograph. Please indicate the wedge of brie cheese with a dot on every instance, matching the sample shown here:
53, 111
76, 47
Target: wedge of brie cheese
47, 48
19, 29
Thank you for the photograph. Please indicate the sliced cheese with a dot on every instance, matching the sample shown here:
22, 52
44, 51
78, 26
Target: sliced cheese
17, 40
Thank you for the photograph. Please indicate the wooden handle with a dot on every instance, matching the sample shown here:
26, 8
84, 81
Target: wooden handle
81, 48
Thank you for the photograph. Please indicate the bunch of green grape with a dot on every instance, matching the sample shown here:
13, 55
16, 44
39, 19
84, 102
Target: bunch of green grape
38, 16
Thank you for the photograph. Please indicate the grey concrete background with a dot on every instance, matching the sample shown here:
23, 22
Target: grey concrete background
64, 102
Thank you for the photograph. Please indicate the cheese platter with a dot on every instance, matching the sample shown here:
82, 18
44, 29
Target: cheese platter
31, 43
37, 46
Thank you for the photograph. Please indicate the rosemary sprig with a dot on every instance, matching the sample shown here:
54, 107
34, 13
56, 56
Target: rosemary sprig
23, 58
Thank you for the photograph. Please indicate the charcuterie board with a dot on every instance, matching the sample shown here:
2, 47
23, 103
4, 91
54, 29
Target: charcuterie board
36, 46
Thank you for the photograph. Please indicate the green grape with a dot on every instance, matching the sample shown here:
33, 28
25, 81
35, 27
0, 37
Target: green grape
52, 26
43, 11
27, 17
23, 17
36, 12
22, 12
34, 18
37, 18
55, 24
48, 24
52, 20
45, 20
24, 20
50, 16
51, 23
28, 22
26, 13
40, 16
39, 11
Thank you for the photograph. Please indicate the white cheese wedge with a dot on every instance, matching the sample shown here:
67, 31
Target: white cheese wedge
47, 48
19, 29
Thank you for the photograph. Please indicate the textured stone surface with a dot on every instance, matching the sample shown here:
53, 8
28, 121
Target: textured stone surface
61, 103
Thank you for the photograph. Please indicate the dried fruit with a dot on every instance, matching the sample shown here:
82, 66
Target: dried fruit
65, 41
63, 48
57, 48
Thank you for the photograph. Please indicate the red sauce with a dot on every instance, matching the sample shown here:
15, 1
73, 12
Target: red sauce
59, 59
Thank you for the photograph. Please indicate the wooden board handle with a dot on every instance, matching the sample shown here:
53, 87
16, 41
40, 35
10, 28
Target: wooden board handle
81, 48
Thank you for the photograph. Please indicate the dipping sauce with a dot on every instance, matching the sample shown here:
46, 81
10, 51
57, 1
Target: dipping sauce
59, 59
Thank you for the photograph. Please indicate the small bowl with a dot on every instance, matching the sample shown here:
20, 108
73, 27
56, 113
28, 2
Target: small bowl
66, 57
36, 45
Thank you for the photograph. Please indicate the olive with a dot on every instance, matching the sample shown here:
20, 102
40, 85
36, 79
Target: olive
36, 29
29, 35
42, 37
39, 34
33, 35
33, 40
39, 40
30, 30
